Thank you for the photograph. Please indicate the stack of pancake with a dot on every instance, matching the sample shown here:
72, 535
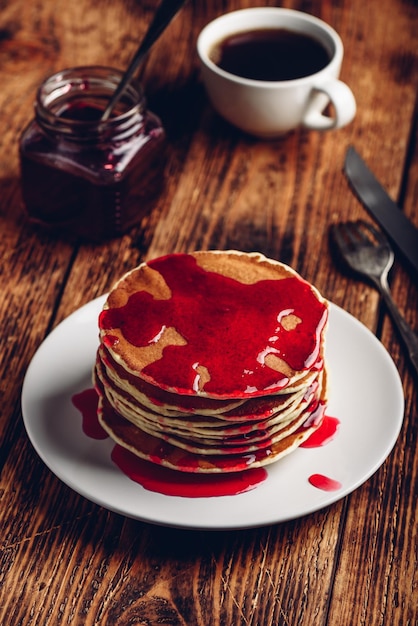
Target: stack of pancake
212, 361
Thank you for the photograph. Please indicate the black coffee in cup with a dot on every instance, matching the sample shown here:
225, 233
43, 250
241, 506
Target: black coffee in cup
270, 54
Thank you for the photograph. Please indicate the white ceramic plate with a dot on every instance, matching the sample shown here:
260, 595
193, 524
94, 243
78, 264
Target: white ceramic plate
365, 395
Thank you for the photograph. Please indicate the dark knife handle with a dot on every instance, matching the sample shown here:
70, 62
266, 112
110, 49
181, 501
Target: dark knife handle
400, 230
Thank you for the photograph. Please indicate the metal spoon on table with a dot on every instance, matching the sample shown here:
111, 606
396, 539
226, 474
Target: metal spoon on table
165, 13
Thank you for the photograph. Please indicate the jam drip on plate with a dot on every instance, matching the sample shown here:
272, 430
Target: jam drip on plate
169, 482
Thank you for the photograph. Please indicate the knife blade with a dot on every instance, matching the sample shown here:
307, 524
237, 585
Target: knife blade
400, 230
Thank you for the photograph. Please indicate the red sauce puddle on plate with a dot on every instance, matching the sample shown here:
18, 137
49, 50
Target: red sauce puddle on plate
324, 482
324, 434
160, 479
86, 403
171, 483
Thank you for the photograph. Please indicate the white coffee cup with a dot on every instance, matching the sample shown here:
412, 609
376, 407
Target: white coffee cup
266, 108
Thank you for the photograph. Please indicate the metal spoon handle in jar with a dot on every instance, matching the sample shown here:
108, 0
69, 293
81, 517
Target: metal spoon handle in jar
163, 16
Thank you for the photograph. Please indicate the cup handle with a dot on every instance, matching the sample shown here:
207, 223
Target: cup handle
342, 99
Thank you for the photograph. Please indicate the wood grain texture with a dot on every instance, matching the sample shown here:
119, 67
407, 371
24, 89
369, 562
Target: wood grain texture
64, 560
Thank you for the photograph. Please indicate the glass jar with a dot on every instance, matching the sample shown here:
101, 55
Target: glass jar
84, 177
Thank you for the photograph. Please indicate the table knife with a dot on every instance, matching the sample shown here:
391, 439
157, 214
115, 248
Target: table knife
400, 230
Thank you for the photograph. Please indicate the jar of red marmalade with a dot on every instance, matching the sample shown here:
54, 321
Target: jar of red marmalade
84, 177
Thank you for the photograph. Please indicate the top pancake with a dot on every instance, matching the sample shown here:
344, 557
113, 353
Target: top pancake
218, 324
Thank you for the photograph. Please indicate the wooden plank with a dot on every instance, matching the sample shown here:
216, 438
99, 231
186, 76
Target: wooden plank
65, 560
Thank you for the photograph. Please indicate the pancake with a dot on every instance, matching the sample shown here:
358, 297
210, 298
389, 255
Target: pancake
253, 409
212, 361
163, 400
210, 426
229, 440
187, 324
161, 452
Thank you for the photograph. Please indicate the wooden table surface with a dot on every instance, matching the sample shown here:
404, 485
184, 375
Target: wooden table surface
66, 560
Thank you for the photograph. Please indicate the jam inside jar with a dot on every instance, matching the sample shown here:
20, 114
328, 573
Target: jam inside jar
83, 177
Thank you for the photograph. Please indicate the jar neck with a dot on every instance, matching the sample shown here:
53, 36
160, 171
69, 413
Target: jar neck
69, 106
